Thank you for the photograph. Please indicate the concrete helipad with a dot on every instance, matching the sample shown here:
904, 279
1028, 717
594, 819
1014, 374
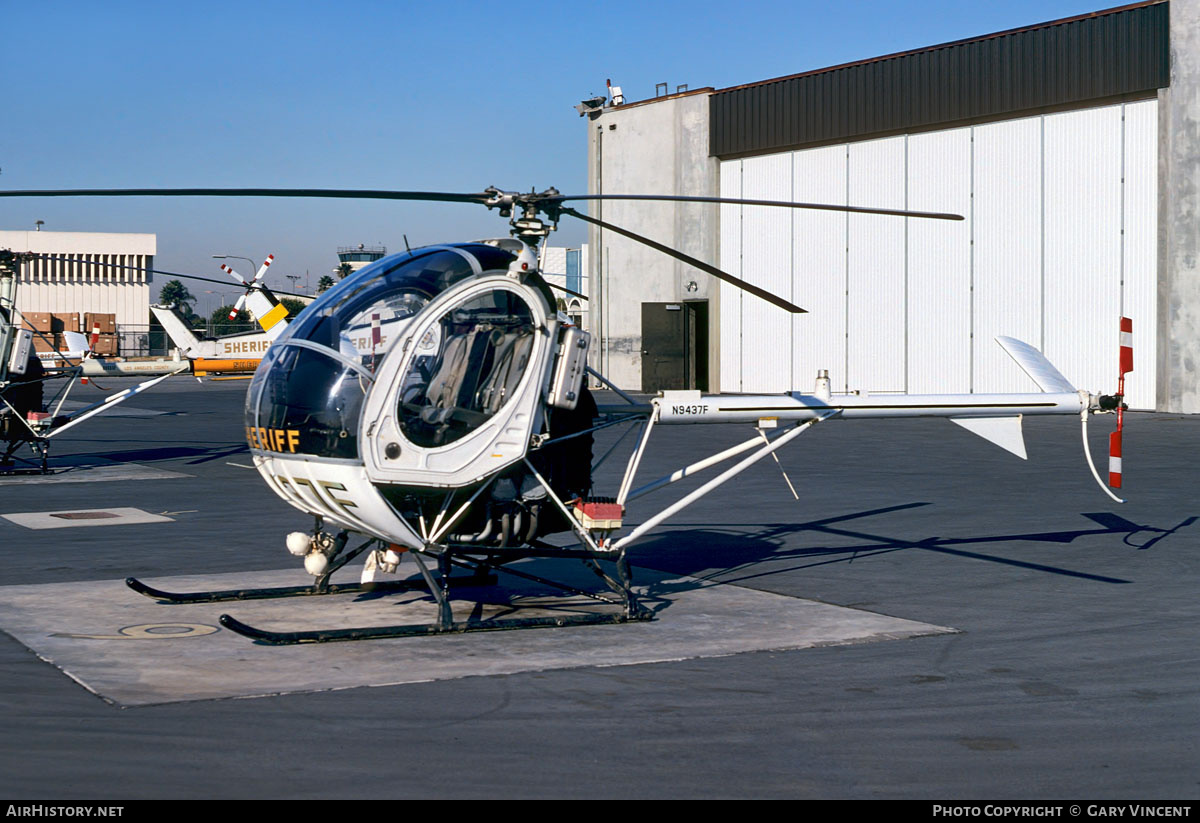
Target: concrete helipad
83, 518
131, 650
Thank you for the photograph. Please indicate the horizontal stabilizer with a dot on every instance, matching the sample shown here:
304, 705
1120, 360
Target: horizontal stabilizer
1035, 364
1005, 432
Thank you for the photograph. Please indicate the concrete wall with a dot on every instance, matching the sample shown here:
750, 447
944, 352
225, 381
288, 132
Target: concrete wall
654, 147
1179, 218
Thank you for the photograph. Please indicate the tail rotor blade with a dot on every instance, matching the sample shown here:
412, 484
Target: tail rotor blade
229, 270
262, 270
1126, 363
1114, 459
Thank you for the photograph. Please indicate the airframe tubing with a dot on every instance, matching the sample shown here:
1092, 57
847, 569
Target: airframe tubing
576, 526
635, 460
719, 479
608, 383
700, 465
108, 403
438, 532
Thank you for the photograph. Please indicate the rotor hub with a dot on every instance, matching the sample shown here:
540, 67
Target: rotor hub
528, 226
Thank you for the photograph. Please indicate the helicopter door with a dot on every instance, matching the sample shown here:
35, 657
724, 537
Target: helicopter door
464, 396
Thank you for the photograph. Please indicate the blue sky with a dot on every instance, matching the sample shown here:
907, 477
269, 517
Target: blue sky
391, 95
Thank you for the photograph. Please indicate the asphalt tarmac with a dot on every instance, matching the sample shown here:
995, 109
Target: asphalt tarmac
1068, 669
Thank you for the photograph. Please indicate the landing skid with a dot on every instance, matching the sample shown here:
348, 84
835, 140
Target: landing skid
292, 591
424, 629
320, 586
482, 573
9, 462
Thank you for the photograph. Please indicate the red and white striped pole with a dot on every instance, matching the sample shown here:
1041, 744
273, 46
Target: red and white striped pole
93, 340
1114, 439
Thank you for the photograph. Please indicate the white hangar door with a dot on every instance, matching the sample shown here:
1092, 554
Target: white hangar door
1057, 243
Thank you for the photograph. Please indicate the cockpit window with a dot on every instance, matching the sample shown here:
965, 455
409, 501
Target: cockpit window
305, 401
362, 316
465, 367
307, 395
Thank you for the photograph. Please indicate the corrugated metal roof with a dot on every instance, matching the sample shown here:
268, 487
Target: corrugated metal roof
1119, 52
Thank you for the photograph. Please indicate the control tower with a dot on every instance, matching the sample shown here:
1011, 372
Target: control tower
358, 256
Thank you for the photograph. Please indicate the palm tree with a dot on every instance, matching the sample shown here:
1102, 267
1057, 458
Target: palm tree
324, 284
174, 293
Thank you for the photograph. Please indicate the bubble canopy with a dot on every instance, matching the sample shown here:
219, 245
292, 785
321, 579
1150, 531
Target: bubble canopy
307, 394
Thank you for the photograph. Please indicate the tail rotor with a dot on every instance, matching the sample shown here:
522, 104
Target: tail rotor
250, 285
1114, 439
1107, 403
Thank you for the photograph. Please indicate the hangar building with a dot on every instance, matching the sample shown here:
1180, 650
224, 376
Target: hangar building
1069, 147
97, 272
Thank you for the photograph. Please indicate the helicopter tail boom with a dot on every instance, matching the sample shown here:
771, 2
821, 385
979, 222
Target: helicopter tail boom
770, 410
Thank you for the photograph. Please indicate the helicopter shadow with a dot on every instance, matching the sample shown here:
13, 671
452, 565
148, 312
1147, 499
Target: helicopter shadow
174, 452
685, 561
705, 554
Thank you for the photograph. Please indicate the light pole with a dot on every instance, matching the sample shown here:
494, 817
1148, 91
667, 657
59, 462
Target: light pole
208, 312
253, 268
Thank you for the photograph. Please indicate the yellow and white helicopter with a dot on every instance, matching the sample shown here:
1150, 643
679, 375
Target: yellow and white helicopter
234, 353
466, 438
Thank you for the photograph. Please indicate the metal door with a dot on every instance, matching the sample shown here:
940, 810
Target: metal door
664, 347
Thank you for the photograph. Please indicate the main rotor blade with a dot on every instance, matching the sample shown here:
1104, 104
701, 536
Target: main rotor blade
692, 261
565, 289
350, 194
734, 201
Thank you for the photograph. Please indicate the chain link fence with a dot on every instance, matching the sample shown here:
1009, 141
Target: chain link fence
152, 340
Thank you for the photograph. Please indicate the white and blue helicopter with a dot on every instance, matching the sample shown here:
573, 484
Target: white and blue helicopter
435, 405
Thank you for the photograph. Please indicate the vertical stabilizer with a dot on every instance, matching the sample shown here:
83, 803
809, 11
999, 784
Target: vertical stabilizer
1035, 364
179, 331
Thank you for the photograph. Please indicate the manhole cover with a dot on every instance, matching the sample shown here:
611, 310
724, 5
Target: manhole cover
84, 515
85, 519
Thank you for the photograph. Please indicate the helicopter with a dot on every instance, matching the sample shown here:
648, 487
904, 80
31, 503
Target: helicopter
467, 439
23, 379
235, 353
